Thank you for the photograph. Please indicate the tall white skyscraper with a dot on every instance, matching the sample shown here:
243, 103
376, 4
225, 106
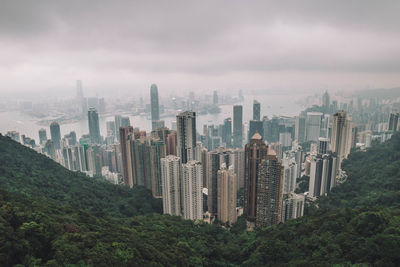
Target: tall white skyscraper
192, 190
186, 135
171, 185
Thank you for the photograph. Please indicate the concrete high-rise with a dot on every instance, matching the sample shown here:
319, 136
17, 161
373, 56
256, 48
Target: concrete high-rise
186, 135
192, 190
256, 111
227, 191
227, 132
323, 145
213, 165
255, 126
94, 128
55, 134
171, 185
237, 126
342, 136
127, 172
155, 111
255, 152
269, 191
322, 174
293, 206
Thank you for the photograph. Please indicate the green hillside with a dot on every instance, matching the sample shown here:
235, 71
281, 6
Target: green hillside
22, 170
357, 224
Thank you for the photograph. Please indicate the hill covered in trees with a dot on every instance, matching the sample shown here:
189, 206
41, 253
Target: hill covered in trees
358, 223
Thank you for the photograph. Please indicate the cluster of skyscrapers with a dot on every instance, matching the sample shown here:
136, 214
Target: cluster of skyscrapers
200, 176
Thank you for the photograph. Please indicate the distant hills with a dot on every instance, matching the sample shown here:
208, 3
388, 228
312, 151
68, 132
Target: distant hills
50, 216
381, 93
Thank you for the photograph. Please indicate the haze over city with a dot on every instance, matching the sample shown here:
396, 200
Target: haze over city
124, 46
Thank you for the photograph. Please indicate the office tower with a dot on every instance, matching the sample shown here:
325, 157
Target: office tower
313, 126
117, 120
94, 128
277, 147
79, 90
50, 149
55, 134
14, 135
341, 139
323, 145
293, 206
171, 185
155, 113
237, 126
157, 152
213, 165
157, 124
393, 121
326, 101
269, 191
161, 133
126, 158
215, 98
256, 111
110, 128
192, 190
227, 191
42, 136
325, 122
271, 129
290, 173
227, 132
285, 139
186, 135
300, 129
255, 152
256, 126
322, 174
125, 121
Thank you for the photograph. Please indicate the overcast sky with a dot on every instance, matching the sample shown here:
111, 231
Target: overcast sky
192, 45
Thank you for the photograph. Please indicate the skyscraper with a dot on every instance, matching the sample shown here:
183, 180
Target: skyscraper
269, 191
255, 152
215, 98
227, 190
192, 190
227, 132
155, 112
127, 172
186, 135
393, 121
323, 145
322, 174
342, 138
326, 101
256, 111
55, 134
313, 126
237, 126
94, 128
171, 185
213, 166
42, 136
255, 126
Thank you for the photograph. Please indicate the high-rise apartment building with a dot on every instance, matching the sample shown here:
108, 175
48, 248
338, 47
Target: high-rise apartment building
186, 135
342, 136
171, 185
255, 152
269, 191
293, 206
255, 126
227, 191
94, 128
393, 121
322, 174
237, 126
55, 134
125, 134
227, 132
192, 190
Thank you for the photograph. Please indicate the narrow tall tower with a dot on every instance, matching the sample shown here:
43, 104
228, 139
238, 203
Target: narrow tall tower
186, 135
237, 126
55, 134
94, 128
155, 112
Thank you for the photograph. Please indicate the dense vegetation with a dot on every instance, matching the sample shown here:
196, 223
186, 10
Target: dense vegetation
24, 171
358, 223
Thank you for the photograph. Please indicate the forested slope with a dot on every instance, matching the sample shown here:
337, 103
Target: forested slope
353, 226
